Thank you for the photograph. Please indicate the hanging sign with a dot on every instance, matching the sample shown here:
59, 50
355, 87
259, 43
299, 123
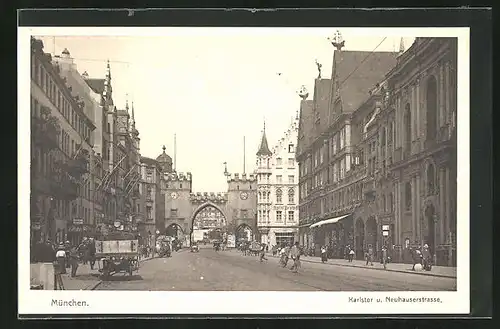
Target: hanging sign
385, 227
78, 221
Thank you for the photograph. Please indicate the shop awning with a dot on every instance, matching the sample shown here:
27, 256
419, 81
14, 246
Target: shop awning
328, 221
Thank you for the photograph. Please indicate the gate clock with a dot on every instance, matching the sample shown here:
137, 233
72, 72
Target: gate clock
174, 195
244, 195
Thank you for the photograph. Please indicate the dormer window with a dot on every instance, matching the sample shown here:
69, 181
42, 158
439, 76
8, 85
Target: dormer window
291, 148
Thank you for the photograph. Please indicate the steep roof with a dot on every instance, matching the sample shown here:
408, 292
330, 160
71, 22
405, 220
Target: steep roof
97, 85
357, 72
306, 125
264, 148
321, 99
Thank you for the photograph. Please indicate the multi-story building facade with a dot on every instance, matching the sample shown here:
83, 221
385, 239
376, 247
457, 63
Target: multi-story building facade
277, 184
331, 187
61, 152
93, 110
151, 209
424, 92
399, 177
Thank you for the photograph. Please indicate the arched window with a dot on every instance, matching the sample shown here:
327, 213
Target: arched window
408, 196
407, 130
279, 196
291, 196
431, 176
432, 110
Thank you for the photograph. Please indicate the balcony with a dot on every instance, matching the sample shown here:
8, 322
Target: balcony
45, 132
78, 166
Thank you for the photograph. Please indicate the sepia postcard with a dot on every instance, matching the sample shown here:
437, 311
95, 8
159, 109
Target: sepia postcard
243, 170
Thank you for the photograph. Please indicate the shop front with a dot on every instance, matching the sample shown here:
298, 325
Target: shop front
335, 233
76, 233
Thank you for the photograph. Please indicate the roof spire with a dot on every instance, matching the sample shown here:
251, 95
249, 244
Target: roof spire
401, 46
133, 114
126, 102
264, 148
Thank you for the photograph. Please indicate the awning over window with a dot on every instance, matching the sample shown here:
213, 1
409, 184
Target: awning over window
328, 221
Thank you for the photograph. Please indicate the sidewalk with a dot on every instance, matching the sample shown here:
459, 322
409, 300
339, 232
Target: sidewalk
439, 271
85, 279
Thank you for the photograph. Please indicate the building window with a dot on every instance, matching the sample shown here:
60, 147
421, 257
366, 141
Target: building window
291, 148
432, 110
291, 196
291, 162
291, 215
180, 186
173, 212
149, 194
384, 208
244, 213
149, 212
149, 176
279, 196
408, 196
391, 202
279, 179
279, 162
291, 179
279, 217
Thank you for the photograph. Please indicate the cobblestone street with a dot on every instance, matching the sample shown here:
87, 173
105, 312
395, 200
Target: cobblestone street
230, 270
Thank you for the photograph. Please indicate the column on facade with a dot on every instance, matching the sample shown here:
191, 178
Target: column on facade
398, 123
447, 89
414, 219
414, 111
418, 210
397, 214
448, 195
442, 206
441, 98
418, 115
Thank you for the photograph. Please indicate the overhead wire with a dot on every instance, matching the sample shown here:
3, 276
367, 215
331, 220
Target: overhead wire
361, 63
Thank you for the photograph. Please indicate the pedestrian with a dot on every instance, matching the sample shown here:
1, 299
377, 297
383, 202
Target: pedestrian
295, 255
61, 259
426, 257
91, 252
324, 257
384, 257
263, 252
351, 255
369, 255
74, 261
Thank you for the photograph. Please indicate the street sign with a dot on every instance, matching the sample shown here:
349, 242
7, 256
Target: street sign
78, 221
385, 227
385, 233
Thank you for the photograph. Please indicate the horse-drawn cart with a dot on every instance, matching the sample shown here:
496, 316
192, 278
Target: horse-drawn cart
119, 253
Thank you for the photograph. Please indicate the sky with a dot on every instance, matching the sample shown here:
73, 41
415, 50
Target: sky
212, 87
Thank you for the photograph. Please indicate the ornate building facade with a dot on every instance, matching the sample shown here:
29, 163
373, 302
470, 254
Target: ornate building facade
277, 184
396, 187
61, 152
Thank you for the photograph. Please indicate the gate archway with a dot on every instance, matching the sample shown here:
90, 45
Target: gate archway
176, 231
244, 232
360, 238
208, 223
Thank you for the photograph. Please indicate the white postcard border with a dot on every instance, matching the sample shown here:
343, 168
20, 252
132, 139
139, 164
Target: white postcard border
169, 302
